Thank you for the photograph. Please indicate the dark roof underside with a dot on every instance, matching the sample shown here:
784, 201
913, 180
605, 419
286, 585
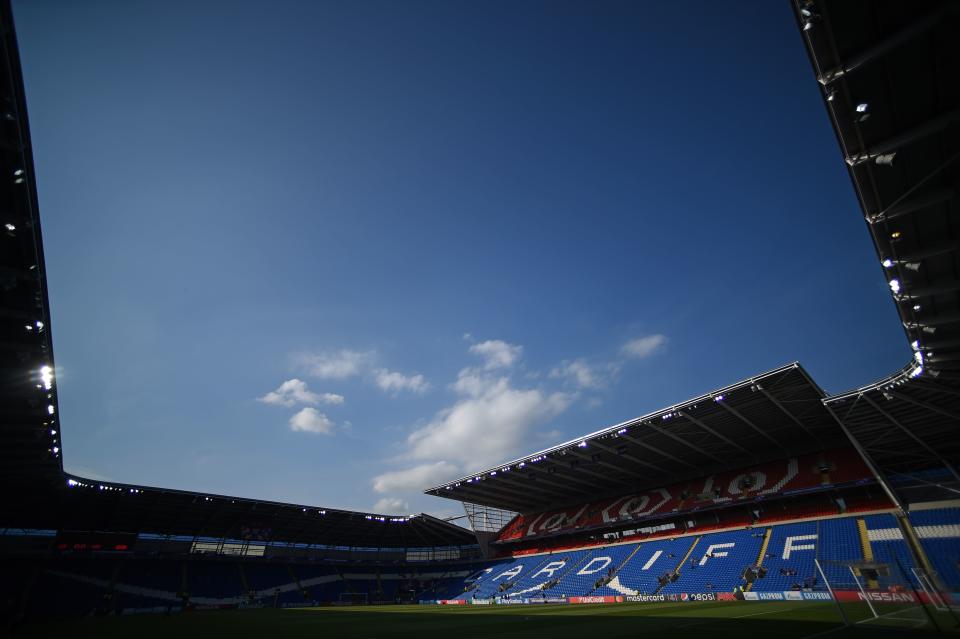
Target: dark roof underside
901, 60
767, 417
35, 488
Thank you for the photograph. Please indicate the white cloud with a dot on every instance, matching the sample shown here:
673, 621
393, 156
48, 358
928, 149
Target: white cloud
294, 391
490, 424
643, 346
393, 382
417, 478
310, 420
497, 353
339, 365
583, 375
391, 506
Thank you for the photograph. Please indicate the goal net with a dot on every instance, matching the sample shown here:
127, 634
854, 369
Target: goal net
886, 593
353, 598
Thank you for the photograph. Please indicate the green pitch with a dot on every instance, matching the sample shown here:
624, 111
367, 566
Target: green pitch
705, 620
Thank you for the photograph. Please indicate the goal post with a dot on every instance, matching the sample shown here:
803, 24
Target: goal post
883, 593
353, 598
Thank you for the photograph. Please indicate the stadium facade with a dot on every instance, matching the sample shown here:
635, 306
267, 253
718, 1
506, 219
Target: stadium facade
764, 489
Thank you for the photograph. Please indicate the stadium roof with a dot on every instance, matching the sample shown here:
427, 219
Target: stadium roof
888, 72
769, 416
36, 490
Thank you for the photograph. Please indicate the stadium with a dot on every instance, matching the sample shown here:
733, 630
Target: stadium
764, 507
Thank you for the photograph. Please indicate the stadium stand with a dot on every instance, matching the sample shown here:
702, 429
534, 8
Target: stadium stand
737, 490
717, 562
939, 533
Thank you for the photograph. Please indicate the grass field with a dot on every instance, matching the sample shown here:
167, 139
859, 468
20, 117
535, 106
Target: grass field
712, 620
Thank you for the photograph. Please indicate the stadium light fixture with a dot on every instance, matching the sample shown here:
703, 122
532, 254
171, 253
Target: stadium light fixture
10, 227
916, 307
915, 345
895, 286
916, 372
72, 483
50, 409
885, 159
864, 110
718, 398
887, 263
46, 377
582, 444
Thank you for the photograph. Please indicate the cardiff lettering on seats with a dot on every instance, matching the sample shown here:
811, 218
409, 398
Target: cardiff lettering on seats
513, 572
595, 565
550, 568
713, 550
790, 544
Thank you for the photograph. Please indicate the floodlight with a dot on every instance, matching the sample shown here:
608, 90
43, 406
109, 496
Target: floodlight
895, 286
885, 159
46, 376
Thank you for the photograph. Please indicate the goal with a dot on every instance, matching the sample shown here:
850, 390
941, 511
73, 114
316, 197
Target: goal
886, 593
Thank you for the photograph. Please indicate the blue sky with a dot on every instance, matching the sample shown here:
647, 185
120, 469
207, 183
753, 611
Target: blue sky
336, 253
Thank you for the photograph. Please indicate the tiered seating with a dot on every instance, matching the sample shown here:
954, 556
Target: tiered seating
807, 472
153, 573
215, 579
266, 576
489, 585
553, 567
889, 547
939, 533
838, 541
653, 559
581, 579
717, 562
789, 558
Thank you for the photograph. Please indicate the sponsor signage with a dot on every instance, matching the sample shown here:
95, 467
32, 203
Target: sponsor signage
452, 602
645, 598
596, 599
726, 596
701, 596
481, 602
770, 596
790, 595
875, 596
